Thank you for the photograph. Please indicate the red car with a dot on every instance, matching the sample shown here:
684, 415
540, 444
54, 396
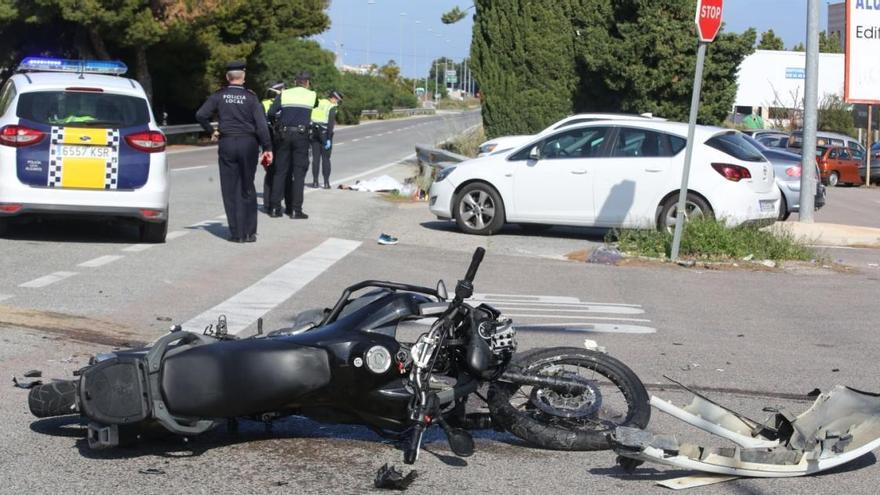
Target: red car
837, 165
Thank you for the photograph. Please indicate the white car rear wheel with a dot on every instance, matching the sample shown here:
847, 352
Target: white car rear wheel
695, 207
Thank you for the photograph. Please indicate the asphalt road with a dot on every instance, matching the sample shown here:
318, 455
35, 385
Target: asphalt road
69, 289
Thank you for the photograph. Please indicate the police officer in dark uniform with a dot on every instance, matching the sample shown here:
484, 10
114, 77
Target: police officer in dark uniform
243, 132
292, 144
271, 92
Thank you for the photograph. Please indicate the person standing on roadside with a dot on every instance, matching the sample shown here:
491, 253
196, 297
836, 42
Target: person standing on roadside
273, 91
242, 133
323, 121
293, 111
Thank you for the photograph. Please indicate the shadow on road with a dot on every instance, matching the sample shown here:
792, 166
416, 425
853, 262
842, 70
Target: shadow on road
98, 230
592, 234
160, 443
215, 228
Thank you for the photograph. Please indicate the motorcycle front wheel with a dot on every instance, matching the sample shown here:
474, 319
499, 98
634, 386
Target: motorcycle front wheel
614, 396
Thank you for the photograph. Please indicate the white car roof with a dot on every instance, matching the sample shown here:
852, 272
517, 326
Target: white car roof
701, 132
42, 81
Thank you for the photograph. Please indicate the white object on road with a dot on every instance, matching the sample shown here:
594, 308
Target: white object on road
841, 426
378, 184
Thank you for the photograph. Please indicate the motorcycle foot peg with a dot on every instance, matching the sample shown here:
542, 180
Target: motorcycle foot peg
460, 441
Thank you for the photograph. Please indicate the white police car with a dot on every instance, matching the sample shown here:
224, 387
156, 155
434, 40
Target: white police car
76, 138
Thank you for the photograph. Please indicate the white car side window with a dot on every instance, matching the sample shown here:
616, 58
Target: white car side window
576, 143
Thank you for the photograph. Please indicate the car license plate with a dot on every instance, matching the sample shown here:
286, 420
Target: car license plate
74, 151
767, 205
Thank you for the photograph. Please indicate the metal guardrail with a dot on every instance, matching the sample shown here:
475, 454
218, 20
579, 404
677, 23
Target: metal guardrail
170, 130
436, 157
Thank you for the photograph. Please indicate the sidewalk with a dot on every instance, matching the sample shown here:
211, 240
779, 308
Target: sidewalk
832, 234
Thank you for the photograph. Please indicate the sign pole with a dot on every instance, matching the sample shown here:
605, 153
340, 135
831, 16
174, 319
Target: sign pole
680, 212
811, 111
869, 139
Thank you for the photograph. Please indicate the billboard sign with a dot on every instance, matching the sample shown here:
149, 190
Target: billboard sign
862, 79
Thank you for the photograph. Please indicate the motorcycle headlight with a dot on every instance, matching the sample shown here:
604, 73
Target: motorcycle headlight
444, 173
378, 359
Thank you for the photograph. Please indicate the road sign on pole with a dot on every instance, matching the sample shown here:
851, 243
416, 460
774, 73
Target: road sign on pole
708, 21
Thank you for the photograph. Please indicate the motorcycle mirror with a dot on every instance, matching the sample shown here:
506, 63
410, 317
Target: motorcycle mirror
441, 290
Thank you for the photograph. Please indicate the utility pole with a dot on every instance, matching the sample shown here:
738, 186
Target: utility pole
811, 102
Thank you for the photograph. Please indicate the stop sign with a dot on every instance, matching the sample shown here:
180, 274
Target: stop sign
708, 19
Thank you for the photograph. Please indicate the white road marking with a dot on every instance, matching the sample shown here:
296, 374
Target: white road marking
190, 150
47, 280
136, 248
588, 328
189, 168
355, 140
4, 297
247, 306
367, 137
174, 235
584, 309
540, 300
534, 316
101, 261
221, 217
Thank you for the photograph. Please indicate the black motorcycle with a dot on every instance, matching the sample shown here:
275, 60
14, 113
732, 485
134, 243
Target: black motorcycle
345, 365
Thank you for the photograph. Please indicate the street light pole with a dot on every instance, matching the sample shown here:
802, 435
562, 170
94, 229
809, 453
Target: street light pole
369, 35
415, 55
811, 97
400, 60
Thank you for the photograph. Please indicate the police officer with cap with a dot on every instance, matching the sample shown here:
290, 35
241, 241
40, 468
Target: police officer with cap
323, 120
243, 132
293, 111
271, 92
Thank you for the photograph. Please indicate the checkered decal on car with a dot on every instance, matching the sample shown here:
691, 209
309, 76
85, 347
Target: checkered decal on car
54, 177
111, 179
56, 161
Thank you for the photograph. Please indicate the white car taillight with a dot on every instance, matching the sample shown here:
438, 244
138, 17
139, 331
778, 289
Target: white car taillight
19, 136
734, 173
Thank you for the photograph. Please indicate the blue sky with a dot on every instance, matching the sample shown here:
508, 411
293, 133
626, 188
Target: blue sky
362, 32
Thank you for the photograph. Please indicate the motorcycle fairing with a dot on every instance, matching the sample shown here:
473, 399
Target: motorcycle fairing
841, 425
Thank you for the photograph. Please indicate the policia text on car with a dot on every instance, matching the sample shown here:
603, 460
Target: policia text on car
242, 132
292, 114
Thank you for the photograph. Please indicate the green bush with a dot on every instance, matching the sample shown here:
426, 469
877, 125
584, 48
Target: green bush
466, 144
706, 239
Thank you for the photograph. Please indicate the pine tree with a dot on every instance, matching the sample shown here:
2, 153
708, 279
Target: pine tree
769, 41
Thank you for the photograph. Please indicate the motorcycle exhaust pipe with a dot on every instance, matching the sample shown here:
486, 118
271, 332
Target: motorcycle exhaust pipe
562, 385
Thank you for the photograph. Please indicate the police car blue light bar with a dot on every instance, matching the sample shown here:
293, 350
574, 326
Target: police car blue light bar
42, 64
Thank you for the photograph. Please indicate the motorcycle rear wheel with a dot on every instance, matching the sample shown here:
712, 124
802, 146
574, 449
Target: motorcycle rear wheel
56, 398
615, 397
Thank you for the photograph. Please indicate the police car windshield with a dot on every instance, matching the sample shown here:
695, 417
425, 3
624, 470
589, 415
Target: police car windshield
83, 109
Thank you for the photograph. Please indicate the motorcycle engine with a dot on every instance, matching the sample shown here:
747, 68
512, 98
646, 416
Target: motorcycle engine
499, 334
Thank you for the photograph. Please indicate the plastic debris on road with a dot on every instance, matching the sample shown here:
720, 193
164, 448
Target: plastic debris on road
604, 255
388, 477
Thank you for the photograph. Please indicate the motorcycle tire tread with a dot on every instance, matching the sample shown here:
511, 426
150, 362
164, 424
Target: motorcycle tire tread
556, 438
56, 398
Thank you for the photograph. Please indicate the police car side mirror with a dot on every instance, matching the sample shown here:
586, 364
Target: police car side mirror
535, 154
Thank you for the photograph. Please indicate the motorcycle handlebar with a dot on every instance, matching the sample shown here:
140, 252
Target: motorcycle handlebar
475, 263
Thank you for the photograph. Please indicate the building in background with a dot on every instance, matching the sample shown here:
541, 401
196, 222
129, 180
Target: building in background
771, 84
837, 22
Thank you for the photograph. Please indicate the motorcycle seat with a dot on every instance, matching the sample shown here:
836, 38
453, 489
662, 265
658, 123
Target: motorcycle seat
241, 377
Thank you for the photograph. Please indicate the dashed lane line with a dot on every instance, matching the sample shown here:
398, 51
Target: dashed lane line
174, 235
4, 297
136, 248
101, 261
244, 308
47, 280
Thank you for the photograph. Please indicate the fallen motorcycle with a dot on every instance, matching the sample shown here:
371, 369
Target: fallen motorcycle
346, 365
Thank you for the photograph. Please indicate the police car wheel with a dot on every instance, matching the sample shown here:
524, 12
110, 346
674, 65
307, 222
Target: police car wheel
479, 209
4, 226
154, 233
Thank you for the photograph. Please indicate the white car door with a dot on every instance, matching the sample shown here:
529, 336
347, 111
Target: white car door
554, 183
640, 165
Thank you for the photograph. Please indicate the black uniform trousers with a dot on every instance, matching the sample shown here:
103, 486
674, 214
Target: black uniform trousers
291, 165
238, 166
320, 156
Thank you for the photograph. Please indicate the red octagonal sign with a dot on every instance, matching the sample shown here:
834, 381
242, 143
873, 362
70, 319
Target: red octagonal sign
708, 19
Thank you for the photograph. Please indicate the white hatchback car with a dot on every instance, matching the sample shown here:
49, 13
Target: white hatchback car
609, 174
508, 143
75, 140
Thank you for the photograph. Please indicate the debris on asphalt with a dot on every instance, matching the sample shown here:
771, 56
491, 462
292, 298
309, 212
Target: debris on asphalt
33, 374
695, 481
691, 366
686, 263
840, 426
163, 318
768, 263
604, 255
388, 477
814, 393
592, 345
835, 370
151, 471
25, 383
281, 483
387, 240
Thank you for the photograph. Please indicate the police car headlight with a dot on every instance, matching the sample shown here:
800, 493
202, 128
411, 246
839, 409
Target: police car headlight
378, 359
444, 173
